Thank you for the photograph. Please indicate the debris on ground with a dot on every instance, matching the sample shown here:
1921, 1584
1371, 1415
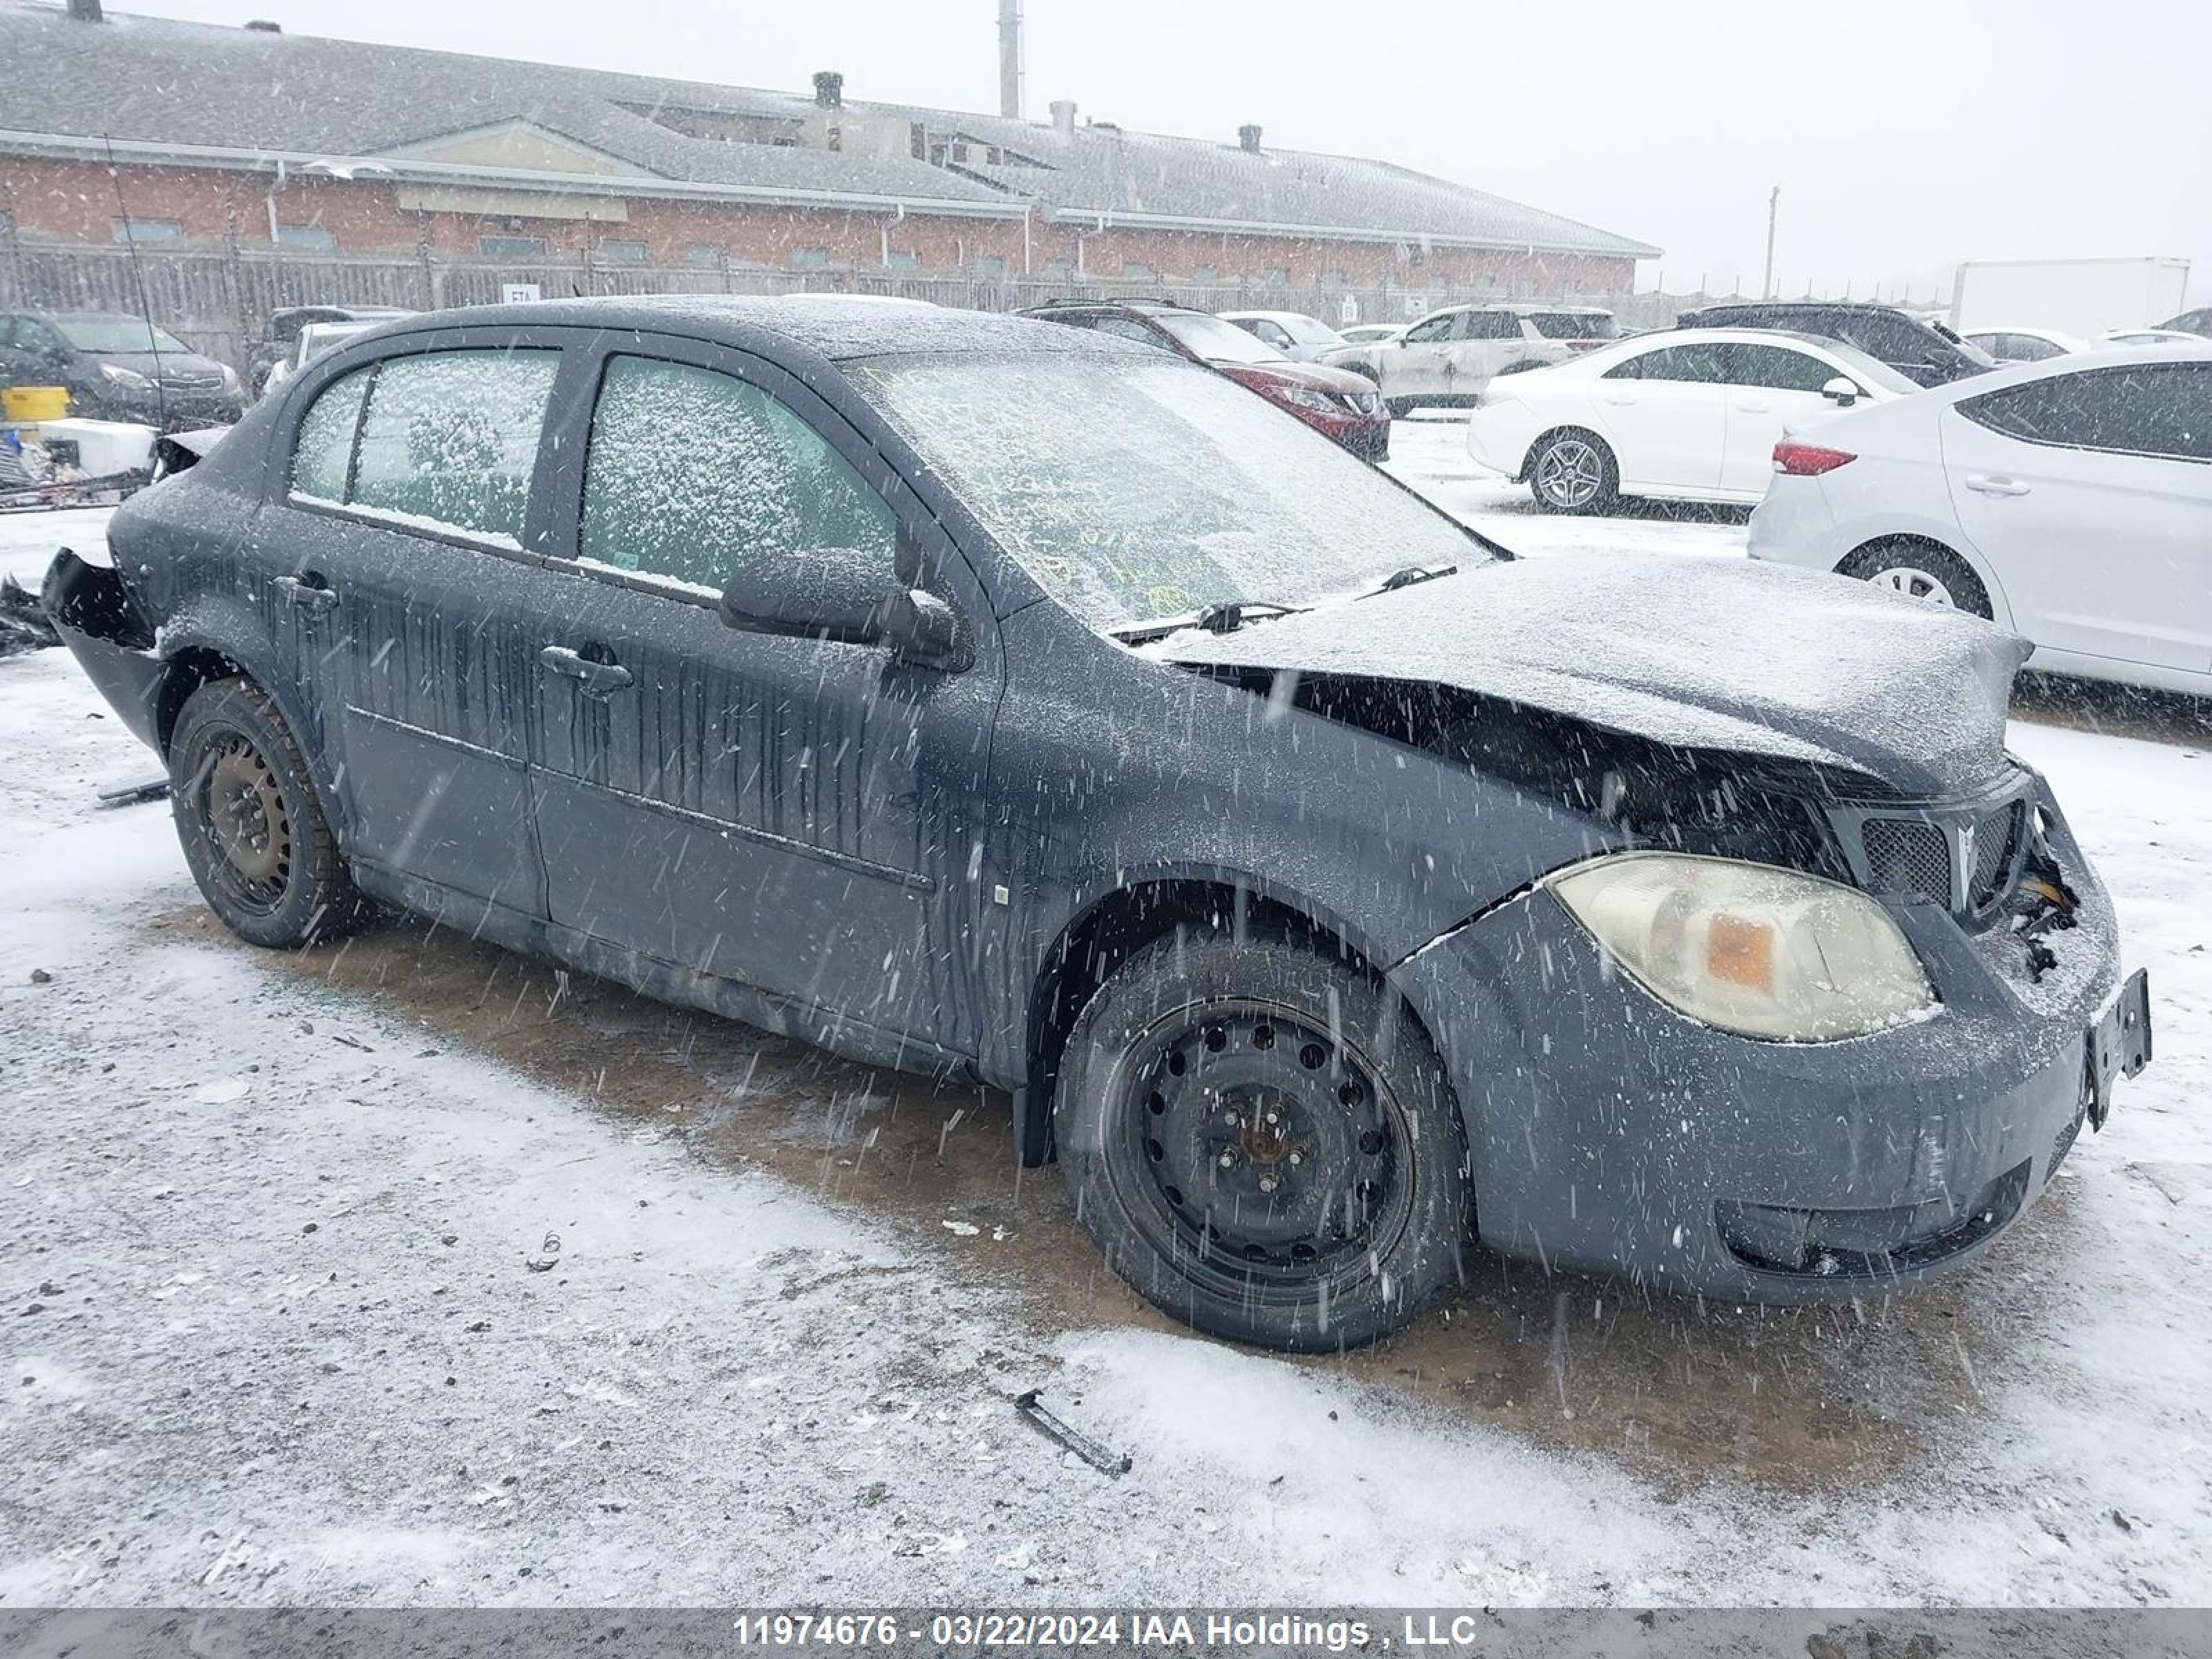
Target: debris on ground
1112, 1464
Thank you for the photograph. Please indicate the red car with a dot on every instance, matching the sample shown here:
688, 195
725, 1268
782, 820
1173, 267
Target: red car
1334, 402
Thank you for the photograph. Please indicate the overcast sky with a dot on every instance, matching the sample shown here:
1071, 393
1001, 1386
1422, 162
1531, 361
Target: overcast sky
1906, 134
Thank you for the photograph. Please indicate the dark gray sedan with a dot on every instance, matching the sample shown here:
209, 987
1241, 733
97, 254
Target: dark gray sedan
999, 700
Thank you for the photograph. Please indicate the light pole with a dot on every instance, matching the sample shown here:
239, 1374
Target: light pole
1773, 200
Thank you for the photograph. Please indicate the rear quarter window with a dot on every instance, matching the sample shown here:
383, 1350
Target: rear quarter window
2162, 410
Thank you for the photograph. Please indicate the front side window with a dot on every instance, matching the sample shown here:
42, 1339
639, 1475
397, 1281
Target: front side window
1780, 369
445, 440
2160, 410
1431, 331
692, 476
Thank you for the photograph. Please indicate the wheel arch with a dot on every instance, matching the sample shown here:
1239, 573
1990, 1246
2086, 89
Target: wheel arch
1955, 546
193, 657
1104, 931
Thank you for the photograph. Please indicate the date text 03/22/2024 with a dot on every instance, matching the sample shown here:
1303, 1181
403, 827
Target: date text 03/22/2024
1051, 1630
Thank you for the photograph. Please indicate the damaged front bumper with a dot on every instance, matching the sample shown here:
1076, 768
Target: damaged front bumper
1610, 1134
93, 612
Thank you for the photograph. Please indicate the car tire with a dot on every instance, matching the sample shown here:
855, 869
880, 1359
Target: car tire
1263, 1142
1571, 471
253, 829
1921, 570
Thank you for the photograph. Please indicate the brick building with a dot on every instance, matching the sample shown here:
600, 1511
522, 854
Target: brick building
322, 159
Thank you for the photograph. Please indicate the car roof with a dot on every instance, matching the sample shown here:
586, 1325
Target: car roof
1733, 336
82, 316
2076, 362
1867, 306
835, 326
1270, 316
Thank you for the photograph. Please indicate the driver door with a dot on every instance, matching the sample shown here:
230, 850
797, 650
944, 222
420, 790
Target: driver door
1421, 364
1772, 388
793, 813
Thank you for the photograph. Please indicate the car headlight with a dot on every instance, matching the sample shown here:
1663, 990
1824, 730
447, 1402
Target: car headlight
1364, 403
128, 378
1318, 401
1750, 948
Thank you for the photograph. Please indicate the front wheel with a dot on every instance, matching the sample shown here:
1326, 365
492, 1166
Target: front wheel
253, 833
1573, 472
1263, 1142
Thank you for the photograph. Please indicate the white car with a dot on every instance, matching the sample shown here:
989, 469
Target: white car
1448, 356
2070, 501
2151, 336
2017, 344
1686, 415
1301, 338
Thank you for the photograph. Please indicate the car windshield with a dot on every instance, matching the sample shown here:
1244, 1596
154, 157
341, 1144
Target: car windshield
1574, 325
1138, 490
1215, 340
1308, 330
117, 334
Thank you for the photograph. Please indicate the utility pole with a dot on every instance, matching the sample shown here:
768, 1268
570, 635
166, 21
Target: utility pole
1773, 201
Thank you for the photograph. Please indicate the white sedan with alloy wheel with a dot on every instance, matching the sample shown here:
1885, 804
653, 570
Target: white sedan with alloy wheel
2070, 501
1686, 415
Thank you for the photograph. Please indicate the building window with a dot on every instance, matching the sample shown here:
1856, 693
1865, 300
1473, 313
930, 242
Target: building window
1332, 279
510, 247
1059, 270
1279, 275
989, 265
900, 259
148, 230
705, 253
810, 258
1204, 274
1135, 271
622, 251
318, 239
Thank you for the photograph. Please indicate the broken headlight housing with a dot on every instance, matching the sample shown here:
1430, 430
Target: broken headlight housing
1750, 948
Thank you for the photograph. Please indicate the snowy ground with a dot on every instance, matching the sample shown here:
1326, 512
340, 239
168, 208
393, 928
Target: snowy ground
402, 1274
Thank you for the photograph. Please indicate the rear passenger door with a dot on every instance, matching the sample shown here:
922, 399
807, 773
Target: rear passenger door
1665, 413
399, 545
795, 814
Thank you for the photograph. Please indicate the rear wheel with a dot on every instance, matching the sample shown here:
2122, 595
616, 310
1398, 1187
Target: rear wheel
1920, 570
253, 833
1573, 471
1262, 1142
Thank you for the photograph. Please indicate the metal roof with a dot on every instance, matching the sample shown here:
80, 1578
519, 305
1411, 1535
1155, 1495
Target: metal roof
153, 87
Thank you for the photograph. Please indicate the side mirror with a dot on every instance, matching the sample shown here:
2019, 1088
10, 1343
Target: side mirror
1841, 392
845, 596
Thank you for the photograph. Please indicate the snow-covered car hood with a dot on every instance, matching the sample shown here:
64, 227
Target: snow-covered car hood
1698, 653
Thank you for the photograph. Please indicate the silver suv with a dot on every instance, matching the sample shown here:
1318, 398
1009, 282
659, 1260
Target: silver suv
1448, 355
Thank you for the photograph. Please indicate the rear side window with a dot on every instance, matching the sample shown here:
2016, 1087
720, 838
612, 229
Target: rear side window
1704, 364
443, 442
1490, 325
1780, 369
2162, 409
693, 475
1574, 326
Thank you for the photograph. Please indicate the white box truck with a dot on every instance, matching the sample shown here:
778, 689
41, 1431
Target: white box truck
2076, 296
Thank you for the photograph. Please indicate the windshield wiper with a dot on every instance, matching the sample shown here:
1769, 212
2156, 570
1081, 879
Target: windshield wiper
1407, 577
1226, 617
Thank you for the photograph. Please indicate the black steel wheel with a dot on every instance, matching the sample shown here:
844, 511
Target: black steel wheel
1262, 1141
252, 831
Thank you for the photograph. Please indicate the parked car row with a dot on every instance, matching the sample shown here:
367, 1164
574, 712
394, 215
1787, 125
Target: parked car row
115, 366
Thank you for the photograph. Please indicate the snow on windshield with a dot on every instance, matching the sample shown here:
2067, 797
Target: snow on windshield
1137, 489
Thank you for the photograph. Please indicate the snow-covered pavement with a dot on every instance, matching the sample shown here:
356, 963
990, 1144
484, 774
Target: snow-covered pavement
410, 1272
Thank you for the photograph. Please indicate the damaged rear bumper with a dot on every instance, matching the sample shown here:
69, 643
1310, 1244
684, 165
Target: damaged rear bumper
93, 612
1610, 1134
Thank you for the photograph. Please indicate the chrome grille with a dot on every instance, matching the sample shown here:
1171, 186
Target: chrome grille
1908, 855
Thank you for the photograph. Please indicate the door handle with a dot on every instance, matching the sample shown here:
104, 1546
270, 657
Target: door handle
1995, 483
1618, 399
308, 590
599, 678
1755, 409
